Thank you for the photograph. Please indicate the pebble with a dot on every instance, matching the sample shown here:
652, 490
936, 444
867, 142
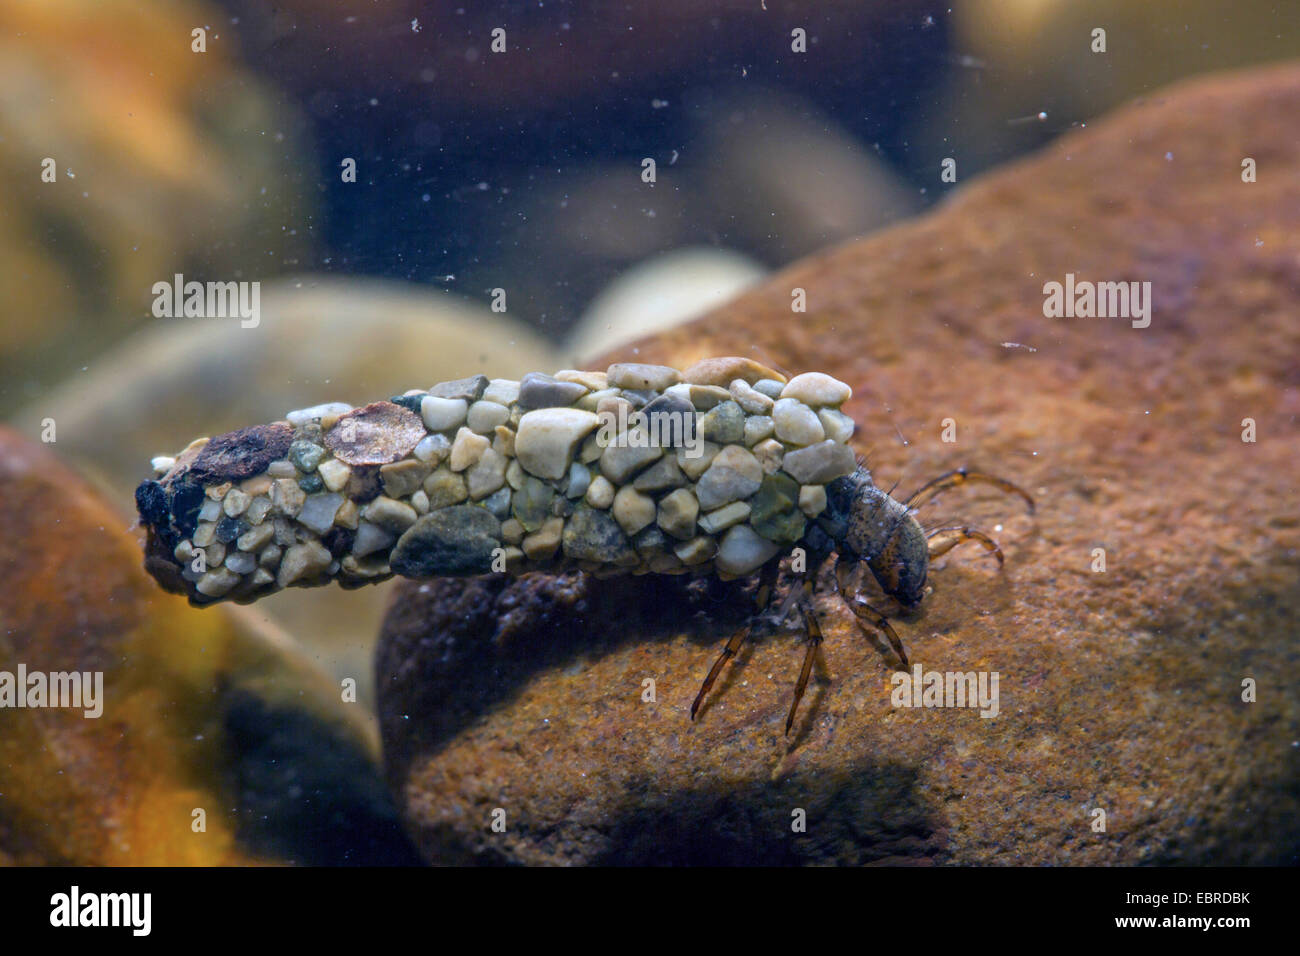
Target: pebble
600, 494
579, 480
311, 483
696, 551
743, 551
210, 510
306, 455
734, 474
548, 437
531, 504
723, 371
775, 515
723, 424
304, 416
634, 375
287, 496
704, 397
677, 513
796, 423
258, 510
281, 469
228, 529
466, 389
403, 478
270, 556
217, 582
302, 561
503, 440
812, 500
432, 449
161, 464
319, 510
512, 532
596, 381
451, 542
241, 562
217, 492
542, 544
592, 535
750, 399
257, 485
537, 390
334, 473
695, 461
769, 453
633, 510
348, 515
442, 414
723, 518
395, 516
444, 487
486, 475
769, 387
503, 391
662, 475
820, 463
467, 449
629, 452
498, 503
838, 426
371, 538
255, 538
758, 427
484, 417
420, 502
363, 484
817, 389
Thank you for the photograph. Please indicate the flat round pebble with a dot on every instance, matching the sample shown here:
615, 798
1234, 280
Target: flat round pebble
377, 434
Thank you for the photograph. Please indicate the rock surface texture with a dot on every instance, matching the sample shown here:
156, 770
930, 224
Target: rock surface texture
1121, 690
215, 741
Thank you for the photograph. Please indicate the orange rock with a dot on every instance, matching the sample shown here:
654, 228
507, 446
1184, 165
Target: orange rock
1120, 690
201, 710
723, 371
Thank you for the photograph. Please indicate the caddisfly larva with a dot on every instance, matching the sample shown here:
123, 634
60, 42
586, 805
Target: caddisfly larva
720, 469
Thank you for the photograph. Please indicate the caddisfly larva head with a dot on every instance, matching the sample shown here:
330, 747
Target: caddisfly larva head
868, 525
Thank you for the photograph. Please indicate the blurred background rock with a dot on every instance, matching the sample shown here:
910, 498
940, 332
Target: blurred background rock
478, 171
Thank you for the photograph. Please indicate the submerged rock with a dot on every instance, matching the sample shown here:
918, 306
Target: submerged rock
1119, 690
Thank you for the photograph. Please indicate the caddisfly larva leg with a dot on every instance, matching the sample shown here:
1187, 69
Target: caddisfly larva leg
864, 611
961, 476
766, 585
943, 540
814, 641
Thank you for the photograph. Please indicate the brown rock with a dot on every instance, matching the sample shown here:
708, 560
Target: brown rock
1119, 690
200, 709
721, 372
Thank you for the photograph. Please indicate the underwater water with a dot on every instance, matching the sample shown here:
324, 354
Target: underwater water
334, 332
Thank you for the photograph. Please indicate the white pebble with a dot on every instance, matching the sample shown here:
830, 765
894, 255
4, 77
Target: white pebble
305, 415
796, 422
442, 414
